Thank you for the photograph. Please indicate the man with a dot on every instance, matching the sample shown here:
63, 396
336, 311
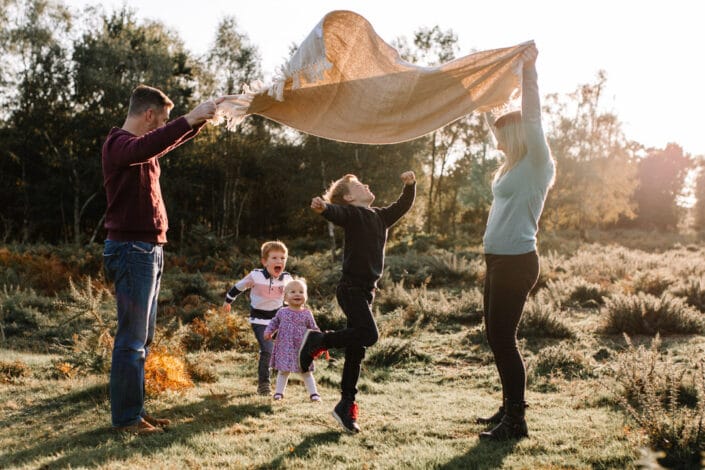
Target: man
136, 222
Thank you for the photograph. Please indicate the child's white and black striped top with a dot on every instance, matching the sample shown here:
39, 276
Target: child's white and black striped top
266, 294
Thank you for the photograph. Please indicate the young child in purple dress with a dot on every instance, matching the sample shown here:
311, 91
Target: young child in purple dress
290, 325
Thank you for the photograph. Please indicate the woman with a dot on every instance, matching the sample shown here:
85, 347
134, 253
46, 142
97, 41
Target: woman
519, 190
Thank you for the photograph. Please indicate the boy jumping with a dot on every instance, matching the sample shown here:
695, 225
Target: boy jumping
347, 204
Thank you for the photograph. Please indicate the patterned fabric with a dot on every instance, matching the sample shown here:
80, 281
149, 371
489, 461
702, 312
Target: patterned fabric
291, 325
345, 83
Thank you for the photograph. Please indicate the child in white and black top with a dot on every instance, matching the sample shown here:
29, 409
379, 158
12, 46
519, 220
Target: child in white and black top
266, 297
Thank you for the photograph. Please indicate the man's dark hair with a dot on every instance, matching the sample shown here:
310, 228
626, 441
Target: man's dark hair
145, 97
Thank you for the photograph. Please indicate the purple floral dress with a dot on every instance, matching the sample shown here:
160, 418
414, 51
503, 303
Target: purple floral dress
291, 325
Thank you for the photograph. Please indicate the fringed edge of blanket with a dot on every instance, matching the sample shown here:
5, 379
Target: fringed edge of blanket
235, 108
511, 103
311, 73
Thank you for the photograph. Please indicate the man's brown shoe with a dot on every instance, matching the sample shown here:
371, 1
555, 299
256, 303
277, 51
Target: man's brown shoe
140, 428
157, 422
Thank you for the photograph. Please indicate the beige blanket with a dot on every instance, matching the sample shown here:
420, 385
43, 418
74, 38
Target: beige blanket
345, 83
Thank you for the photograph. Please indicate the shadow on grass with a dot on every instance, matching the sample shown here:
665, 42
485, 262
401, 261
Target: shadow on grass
60, 409
483, 455
97, 446
304, 447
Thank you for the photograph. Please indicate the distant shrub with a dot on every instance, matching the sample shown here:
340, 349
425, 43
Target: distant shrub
329, 316
553, 265
587, 294
654, 392
540, 320
647, 315
44, 272
23, 311
394, 351
446, 268
575, 291
563, 360
468, 306
411, 267
394, 296
217, 331
692, 290
183, 285
321, 271
432, 308
201, 372
654, 282
13, 372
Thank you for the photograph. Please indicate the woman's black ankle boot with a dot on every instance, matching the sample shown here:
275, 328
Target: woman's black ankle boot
512, 426
494, 419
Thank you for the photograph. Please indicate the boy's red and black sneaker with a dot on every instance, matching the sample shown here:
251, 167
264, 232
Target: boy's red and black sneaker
311, 348
345, 413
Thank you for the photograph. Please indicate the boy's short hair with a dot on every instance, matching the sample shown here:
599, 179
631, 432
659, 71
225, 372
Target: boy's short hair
145, 97
276, 245
338, 189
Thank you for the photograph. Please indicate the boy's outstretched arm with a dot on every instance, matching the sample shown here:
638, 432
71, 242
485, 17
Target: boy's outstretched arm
393, 212
318, 204
332, 212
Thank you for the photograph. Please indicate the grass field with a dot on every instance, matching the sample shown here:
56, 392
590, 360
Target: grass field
424, 383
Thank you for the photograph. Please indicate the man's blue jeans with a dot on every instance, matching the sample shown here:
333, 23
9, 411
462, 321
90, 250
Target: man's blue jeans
136, 269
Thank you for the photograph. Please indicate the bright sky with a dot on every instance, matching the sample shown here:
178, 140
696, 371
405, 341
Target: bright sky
650, 49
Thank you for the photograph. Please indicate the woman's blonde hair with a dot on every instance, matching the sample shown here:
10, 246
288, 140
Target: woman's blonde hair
509, 132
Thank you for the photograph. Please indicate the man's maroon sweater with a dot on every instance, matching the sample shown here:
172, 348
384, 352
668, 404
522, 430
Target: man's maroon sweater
131, 172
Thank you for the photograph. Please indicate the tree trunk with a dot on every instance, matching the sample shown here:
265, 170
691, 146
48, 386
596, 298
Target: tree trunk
97, 227
331, 227
429, 203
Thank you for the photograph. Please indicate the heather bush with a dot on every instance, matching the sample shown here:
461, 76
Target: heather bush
23, 311
411, 267
394, 351
654, 282
692, 290
574, 291
393, 296
553, 266
563, 360
217, 331
182, 285
666, 399
328, 315
647, 315
540, 320
448, 268
322, 273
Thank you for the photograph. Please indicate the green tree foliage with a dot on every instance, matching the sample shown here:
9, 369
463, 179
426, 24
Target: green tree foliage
36, 99
661, 176
595, 163
456, 152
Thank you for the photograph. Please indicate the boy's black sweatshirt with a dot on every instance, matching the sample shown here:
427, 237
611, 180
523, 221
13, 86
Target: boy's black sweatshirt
366, 235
